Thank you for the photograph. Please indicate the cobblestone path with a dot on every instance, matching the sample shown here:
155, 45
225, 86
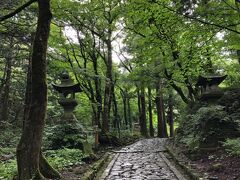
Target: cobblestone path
141, 160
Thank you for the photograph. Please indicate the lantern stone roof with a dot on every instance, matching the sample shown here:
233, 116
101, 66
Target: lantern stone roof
210, 80
62, 88
67, 85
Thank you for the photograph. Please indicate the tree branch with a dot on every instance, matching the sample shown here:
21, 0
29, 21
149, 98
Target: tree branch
175, 87
17, 10
201, 21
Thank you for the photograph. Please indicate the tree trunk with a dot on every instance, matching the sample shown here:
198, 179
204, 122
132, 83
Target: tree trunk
116, 119
2, 123
108, 87
93, 103
129, 112
124, 99
115, 111
163, 114
28, 91
151, 129
139, 106
2, 82
238, 56
238, 9
97, 82
6, 87
161, 131
143, 121
170, 114
4, 95
94, 113
107, 106
31, 164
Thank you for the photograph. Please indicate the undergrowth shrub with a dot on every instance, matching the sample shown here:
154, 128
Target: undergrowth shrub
64, 136
8, 169
10, 137
232, 146
59, 159
206, 128
231, 100
62, 158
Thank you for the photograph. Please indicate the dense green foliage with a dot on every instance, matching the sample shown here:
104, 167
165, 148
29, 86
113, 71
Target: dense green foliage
208, 126
232, 146
65, 157
8, 167
65, 136
59, 159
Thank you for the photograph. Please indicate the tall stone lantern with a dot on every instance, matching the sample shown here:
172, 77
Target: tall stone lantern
67, 89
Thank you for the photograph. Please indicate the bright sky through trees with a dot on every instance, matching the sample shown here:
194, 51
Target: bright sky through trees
117, 43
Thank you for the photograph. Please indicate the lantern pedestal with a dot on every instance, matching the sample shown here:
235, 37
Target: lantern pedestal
68, 106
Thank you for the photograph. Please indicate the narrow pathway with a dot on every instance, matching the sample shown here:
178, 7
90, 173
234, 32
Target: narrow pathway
142, 160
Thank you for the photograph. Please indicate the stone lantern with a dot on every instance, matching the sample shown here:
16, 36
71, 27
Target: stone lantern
209, 86
67, 89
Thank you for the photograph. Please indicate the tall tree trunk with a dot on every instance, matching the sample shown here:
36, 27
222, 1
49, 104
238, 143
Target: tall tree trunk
94, 111
143, 119
161, 131
238, 9
163, 114
107, 106
170, 114
116, 120
108, 87
139, 105
6, 87
97, 82
129, 112
2, 80
125, 112
115, 111
124, 99
27, 101
2, 123
31, 164
151, 129
93, 102
238, 56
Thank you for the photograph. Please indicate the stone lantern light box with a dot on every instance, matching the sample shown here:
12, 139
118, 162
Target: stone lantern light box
209, 86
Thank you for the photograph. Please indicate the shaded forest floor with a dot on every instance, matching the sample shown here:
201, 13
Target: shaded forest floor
90, 167
215, 164
219, 165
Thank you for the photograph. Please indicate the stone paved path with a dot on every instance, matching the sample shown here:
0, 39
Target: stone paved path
141, 160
